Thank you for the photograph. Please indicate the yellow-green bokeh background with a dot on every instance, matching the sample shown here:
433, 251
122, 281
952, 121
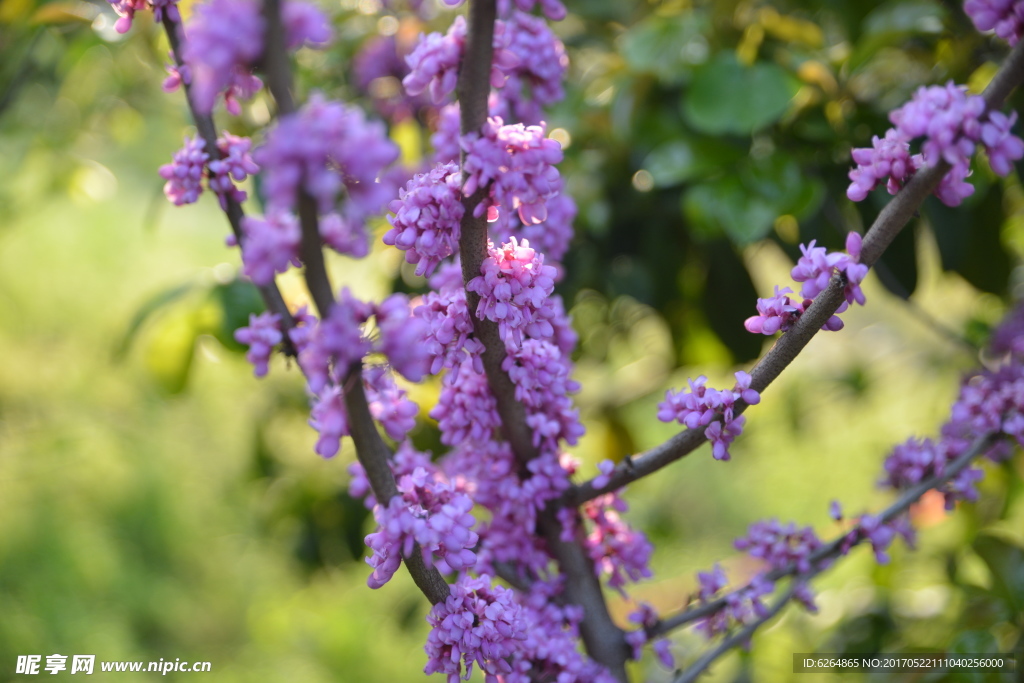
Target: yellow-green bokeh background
139, 524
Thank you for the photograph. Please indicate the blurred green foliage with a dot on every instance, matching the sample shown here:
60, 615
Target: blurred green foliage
157, 502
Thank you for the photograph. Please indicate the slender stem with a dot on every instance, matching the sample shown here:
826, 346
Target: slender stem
821, 557
279, 82
373, 455
1006, 79
893, 218
275, 59
372, 452
740, 637
271, 295
603, 640
312, 255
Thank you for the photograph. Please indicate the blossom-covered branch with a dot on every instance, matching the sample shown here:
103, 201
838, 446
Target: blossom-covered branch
896, 214
271, 295
603, 639
371, 450
985, 420
821, 558
737, 639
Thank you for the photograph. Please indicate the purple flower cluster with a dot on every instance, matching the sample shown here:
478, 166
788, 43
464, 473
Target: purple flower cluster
184, 175
270, 246
337, 343
542, 378
814, 269
550, 237
321, 149
541, 67
780, 545
514, 288
434, 63
427, 216
378, 69
703, 406
176, 76
449, 338
389, 404
646, 617
234, 166
516, 164
329, 348
779, 313
428, 512
880, 534
126, 10
617, 550
741, 607
406, 460
401, 334
344, 234
816, 266
224, 39
479, 624
952, 124
190, 164
329, 419
261, 336
466, 410
1004, 17
1008, 337
304, 25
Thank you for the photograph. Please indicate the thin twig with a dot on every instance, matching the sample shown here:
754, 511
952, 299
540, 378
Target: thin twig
372, 452
740, 637
271, 295
821, 557
893, 217
603, 640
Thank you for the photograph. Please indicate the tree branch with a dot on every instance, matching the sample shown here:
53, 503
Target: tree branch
271, 295
275, 59
604, 641
822, 557
893, 218
372, 452
738, 638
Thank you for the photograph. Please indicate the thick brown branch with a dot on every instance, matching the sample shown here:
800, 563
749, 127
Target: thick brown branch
890, 221
603, 639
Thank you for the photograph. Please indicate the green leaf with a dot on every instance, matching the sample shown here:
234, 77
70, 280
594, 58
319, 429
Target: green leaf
685, 159
151, 306
744, 206
170, 349
1006, 562
727, 97
969, 239
725, 207
729, 298
897, 268
915, 16
667, 47
237, 300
